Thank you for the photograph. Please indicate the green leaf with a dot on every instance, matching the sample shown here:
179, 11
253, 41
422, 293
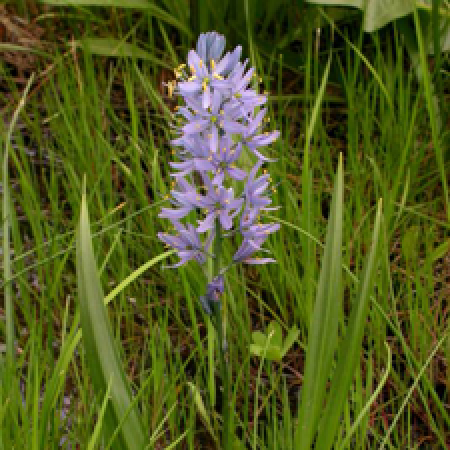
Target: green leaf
202, 410
323, 330
277, 338
351, 347
273, 353
101, 351
117, 48
101, 414
259, 338
291, 337
144, 5
377, 13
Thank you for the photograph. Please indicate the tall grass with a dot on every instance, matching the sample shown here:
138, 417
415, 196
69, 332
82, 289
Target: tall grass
369, 297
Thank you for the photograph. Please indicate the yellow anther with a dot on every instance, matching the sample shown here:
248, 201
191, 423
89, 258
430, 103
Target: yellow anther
206, 211
213, 64
227, 201
200, 64
217, 76
238, 95
224, 149
214, 119
176, 108
260, 79
197, 126
192, 68
266, 133
210, 158
209, 135
204, 84
265, 92
197, 197
222, 112
264, 171
170, 89
192, 78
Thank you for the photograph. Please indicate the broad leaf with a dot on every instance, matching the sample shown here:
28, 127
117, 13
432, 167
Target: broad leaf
351, 347
101, 349
323, 330
376, 13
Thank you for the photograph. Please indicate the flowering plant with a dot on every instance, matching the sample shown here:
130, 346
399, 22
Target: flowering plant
222, 117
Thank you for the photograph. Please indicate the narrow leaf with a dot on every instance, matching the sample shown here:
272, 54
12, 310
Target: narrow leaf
351, 347
322, 337
100, 346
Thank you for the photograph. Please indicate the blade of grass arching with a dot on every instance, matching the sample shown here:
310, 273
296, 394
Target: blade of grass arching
369, 403
9, 311
431, 111
98, 425
101, 351
411, 390
322, 335
143, 5
135, 274
112, 47
349, 354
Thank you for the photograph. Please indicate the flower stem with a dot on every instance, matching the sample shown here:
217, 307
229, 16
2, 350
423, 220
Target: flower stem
219, 325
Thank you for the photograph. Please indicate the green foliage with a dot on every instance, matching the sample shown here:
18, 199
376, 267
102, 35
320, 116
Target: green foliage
99, 109
105, 368
276, 348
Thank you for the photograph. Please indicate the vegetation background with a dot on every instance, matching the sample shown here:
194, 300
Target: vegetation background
82, 103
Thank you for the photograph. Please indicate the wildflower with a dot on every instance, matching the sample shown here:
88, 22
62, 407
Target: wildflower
186, 243
213, 292
217, 123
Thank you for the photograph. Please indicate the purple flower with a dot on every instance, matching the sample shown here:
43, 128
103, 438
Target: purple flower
222, 117
213, 292
179, 199
186, 243
218, 203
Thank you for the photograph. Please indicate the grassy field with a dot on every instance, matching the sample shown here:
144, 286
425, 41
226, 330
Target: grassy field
85, 130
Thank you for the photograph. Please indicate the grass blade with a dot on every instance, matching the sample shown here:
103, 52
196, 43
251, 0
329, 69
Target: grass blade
324, 324
101, 351
351, 347
143, 5
431, 112
101, 414
6, 224
411, 390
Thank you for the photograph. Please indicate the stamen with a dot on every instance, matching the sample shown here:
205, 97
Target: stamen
212, 64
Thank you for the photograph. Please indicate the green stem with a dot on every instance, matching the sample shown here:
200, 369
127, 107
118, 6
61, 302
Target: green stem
223, 363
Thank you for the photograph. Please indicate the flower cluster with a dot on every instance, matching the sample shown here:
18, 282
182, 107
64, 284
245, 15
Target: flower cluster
222, 118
